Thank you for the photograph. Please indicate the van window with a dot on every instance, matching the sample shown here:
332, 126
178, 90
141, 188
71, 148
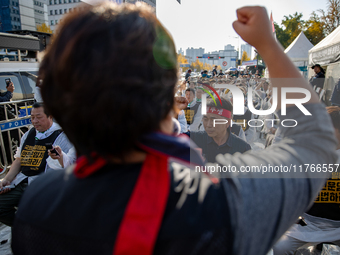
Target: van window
29, 79
15, 77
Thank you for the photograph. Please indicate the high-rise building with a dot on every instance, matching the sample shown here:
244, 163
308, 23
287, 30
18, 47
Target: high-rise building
22, 14
181, 51
247, 48
192, 54
57, 8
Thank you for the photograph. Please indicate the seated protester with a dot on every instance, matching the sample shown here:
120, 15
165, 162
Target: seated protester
221, 74
30, 160
217, 138
323, 218
193, 113
136, 183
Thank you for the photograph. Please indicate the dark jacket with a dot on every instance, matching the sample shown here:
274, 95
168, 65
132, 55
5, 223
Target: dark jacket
210, 149
318, 80
335, 99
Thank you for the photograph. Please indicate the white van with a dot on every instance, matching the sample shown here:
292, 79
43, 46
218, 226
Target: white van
23, 76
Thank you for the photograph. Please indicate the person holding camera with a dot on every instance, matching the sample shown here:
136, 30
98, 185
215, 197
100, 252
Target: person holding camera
7, 96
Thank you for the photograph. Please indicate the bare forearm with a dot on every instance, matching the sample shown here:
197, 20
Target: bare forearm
13, 171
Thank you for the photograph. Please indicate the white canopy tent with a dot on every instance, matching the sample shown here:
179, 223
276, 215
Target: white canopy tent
297, 51
327, 54
327, 51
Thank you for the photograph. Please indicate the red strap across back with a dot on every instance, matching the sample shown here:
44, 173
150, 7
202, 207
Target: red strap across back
84, 168
143, 215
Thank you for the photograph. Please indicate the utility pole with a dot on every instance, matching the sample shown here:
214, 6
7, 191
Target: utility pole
257, 60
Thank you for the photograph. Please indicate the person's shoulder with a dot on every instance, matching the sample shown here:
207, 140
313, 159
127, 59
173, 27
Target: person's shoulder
31, 131
62, 139
235, 138
240, 142
198, 134
321, 75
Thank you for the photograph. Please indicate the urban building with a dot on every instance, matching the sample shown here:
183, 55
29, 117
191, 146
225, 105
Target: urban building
191, 54
228, 57
22, 14
57, 8
247, 48
181, 51
225, 58
27, 14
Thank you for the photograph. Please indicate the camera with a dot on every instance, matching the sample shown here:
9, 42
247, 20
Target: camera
8, 81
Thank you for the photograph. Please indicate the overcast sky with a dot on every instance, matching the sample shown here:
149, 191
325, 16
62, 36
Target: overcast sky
208, 23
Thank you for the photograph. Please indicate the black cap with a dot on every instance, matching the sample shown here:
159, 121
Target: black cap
319, 67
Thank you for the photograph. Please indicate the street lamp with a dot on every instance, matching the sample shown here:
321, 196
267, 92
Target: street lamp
257, 59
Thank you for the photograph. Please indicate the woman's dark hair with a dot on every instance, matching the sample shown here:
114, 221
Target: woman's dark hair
109, 77
334, 112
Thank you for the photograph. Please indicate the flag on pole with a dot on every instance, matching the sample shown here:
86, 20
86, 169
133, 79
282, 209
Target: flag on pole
273, 27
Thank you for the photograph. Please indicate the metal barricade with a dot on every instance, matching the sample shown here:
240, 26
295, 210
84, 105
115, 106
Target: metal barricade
15, 119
